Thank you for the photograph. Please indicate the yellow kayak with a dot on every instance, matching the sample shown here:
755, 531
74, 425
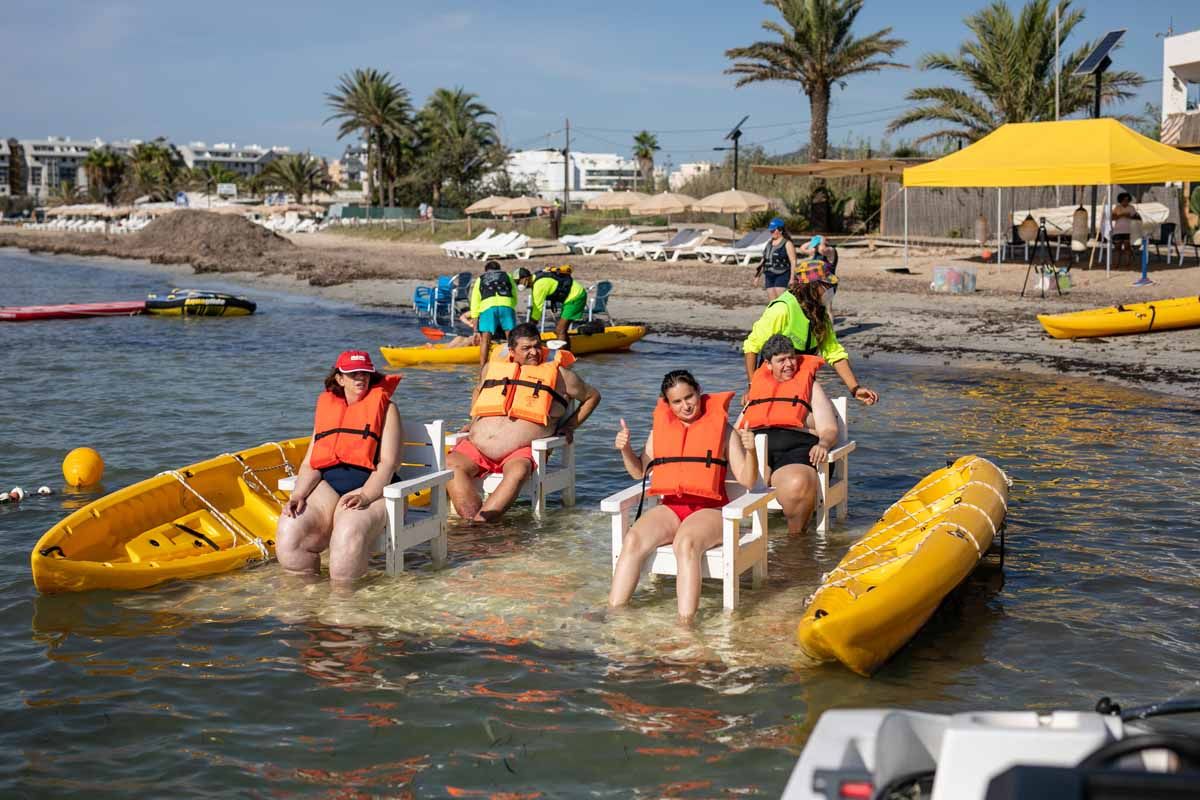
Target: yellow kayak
210, 517
1157, 315
893, 579
617, 337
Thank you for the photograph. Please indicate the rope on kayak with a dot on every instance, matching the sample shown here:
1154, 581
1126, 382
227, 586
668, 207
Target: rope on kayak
233, 526
849, 573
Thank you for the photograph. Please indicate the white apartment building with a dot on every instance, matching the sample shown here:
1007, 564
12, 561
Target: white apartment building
686, 172
245, 162
1181, 91
5, 160
53, 161
588, 174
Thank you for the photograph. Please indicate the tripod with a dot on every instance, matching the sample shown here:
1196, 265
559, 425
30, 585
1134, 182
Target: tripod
1045, 266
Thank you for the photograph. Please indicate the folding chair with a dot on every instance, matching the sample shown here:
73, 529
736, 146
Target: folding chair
598, 300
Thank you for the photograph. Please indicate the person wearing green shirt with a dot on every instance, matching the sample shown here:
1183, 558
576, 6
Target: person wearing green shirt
556, 287
493, 305
800, 314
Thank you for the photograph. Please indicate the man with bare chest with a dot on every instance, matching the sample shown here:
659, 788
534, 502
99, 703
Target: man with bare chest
524, 397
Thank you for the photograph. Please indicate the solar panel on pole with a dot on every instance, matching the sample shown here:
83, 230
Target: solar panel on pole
1095, 61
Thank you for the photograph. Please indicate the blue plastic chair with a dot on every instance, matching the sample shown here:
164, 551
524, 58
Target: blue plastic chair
598, 300
429, 300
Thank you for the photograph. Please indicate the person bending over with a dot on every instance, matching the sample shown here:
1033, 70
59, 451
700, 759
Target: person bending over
555, 286
690, 450
799, 314
494, 305
353, 454
784, 398
523, 397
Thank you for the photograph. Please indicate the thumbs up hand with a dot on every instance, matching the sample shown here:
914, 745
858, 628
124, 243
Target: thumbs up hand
747, 437
622, 440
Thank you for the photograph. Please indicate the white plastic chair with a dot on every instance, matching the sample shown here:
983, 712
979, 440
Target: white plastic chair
423, 467
739, 552
546, 479
832, 492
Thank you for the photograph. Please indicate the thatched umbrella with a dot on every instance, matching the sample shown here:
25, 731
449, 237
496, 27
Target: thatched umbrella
732, 201
614, 201
520, 205
488, 203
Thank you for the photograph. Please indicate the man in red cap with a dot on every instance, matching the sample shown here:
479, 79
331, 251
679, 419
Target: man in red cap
524, 397
355, 448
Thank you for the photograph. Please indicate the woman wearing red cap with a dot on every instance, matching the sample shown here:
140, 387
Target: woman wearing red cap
355, 449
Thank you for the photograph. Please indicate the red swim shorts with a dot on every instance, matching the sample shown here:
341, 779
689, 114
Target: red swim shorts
485, 464
684, 505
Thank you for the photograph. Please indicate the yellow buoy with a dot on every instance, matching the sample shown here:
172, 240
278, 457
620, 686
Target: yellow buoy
83, 466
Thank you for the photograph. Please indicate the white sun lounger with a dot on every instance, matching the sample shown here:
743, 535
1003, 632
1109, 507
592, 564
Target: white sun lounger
634, 250
621, 236
673, 251
452, 246
470, 250
743, 251
573, 239
517, 248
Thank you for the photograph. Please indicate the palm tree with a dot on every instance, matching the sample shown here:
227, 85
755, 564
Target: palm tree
370, 104
816, 49
645, 145
1008, 69
457, 140
154, 170
210, 176
297, 175
66, 194
105, 170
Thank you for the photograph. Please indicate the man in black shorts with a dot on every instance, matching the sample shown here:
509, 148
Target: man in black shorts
785, 402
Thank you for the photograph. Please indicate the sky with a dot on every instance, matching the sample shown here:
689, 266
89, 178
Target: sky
258, 72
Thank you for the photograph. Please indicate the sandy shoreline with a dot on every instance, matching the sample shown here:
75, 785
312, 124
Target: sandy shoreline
878, 312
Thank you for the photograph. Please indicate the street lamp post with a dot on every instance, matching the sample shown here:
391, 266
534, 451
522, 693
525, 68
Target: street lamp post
734, 136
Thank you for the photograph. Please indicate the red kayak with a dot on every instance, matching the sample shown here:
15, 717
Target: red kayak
125, 308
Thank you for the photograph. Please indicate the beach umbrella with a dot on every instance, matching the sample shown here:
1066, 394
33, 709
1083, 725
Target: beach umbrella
665, 203
614, 201
520, 205
486, 204
733, 201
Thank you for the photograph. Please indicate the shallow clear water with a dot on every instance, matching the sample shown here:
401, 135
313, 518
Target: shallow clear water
487, 677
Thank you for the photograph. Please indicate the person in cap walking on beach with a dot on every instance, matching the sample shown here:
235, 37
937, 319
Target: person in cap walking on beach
800, 314
556, 287
779, 260
353, 454
494, 305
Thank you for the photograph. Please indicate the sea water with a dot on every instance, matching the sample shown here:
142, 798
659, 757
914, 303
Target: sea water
495, 675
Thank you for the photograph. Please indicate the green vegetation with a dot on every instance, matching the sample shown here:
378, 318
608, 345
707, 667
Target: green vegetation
297, 175
1008, 68
105, 170
645, 145
816, 48
209, 177
66, 194
155, 170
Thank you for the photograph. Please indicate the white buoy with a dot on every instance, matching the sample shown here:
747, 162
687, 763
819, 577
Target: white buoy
45, 490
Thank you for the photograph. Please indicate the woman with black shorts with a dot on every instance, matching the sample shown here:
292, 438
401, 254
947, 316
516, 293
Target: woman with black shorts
786, 403
779, 260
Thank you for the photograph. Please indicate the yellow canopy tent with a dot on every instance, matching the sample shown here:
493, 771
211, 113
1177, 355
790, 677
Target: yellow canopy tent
1076, 152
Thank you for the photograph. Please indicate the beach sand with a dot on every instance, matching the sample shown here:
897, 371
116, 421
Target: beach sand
877, 312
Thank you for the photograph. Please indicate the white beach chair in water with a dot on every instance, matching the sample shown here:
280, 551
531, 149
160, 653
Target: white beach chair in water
833, 490
739, 552
546, 479
423, 467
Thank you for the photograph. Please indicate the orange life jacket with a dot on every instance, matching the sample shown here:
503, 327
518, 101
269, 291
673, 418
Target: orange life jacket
787, 404
562, 356
350, 433
691, 459
518, 391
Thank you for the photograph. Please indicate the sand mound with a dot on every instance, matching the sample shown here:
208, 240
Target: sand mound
200, 235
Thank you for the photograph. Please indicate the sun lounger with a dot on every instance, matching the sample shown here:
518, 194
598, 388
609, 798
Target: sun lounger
743, 251
673, 251
621, 236
642, 249
573, 239
470, 250
517, 248
452, 247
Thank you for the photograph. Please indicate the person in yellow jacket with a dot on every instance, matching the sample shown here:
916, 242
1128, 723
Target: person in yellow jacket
494, 305
800, 314
556, 286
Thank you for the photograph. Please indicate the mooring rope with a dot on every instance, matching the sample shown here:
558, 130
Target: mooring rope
233, 526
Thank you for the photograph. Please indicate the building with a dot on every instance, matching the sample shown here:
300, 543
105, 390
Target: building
587, 175
1181, 91
245, 162
686, 172
5, 160
53, 161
